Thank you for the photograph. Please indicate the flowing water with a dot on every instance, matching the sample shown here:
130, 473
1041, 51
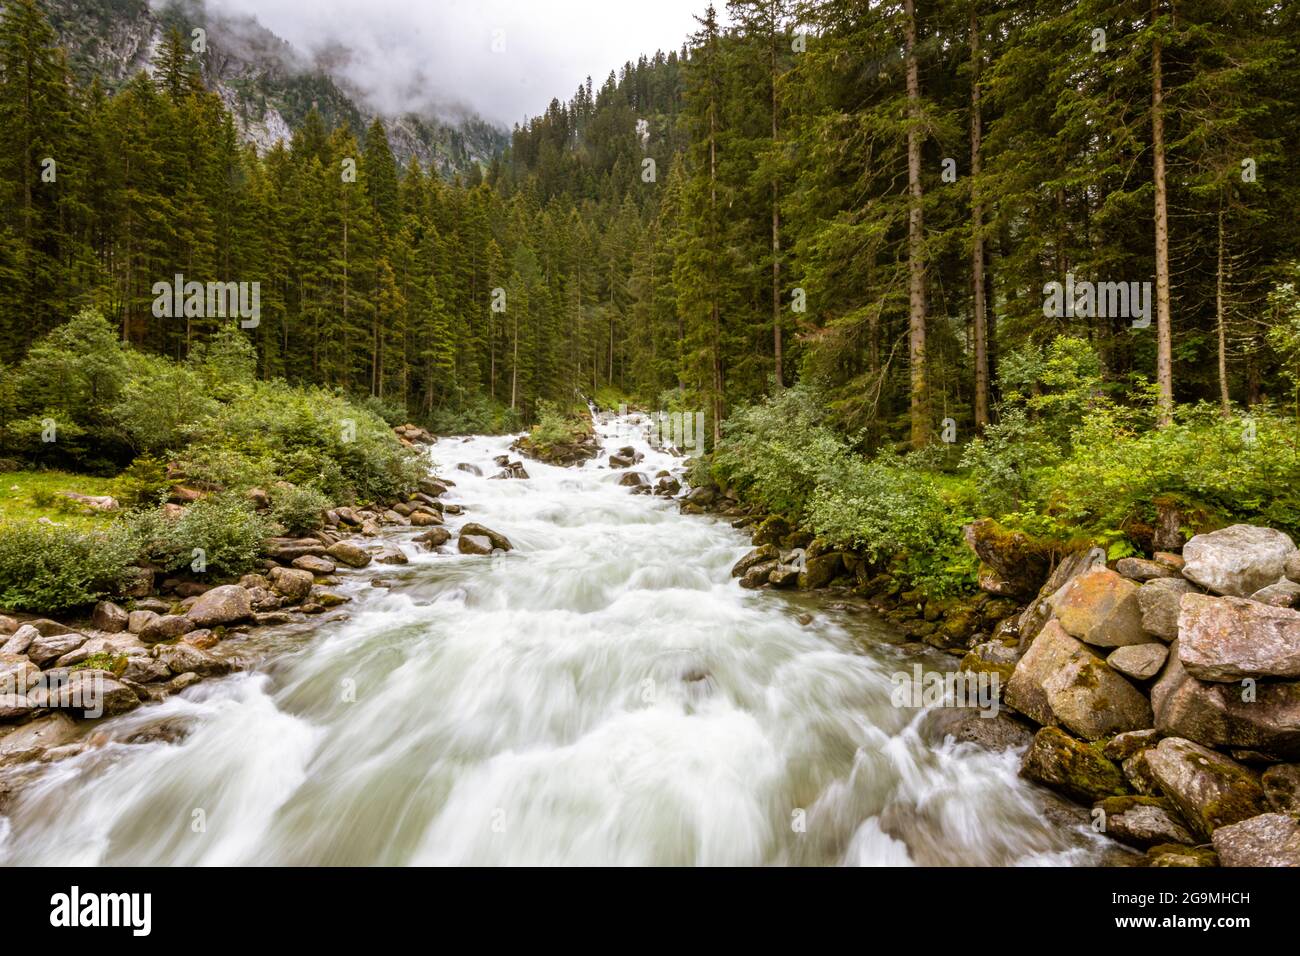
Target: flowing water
606, 693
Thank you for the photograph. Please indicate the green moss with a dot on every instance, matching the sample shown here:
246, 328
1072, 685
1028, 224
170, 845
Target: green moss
103, 661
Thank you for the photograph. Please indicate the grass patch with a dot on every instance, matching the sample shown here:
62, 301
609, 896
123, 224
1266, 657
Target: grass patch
29, 495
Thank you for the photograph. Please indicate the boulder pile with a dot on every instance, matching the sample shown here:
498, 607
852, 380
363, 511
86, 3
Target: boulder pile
1167, 694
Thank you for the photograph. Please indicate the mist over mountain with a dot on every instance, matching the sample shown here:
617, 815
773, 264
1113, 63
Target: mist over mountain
268, 84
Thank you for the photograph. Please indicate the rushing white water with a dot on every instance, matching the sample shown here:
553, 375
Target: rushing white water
606, 693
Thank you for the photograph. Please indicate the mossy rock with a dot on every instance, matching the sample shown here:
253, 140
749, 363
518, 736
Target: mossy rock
1020, 561
771, 530
1072, 767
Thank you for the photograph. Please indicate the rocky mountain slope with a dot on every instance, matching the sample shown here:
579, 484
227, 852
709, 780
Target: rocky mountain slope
266, 83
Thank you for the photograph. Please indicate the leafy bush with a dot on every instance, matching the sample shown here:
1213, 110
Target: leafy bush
777, 453
144, 482
225, 528
298, 508
1243, 468
888, 511
311, 436
47, 567
555, 427
225, 428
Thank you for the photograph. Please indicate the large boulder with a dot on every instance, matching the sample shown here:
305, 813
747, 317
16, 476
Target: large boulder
346, 552
431, 486
433, 538
137, 619
473, 544
1209, 789
31, 740
1033, 617
1100, 607
1060, 681
293, 584
760, 555
770, 530
185, 658
1143, 821
1020, 563
226, 604
91, 693
821, 570
758, 575
1263, 716
166, 628
1139, 661
1227, 638
1159, 601
1238, 560
1270, 839
20, 640
315, 564
498, 540
50, 647
391, 554
1050, 652
1141, 569
1074, 768
108, 617
289, 549
1094, 701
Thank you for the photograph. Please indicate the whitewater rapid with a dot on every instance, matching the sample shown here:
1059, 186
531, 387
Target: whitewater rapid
604, 694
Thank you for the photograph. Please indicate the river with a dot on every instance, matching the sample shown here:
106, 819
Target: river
604, 694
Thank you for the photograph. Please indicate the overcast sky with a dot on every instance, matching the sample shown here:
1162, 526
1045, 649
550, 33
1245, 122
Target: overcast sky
413, 53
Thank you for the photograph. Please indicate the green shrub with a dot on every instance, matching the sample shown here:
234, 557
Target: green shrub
225, 528
889, 511
778, 452
555, 427
143, 483
47, 568
1241, 468
298, 508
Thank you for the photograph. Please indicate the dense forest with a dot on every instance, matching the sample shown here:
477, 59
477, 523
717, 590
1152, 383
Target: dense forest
870, 197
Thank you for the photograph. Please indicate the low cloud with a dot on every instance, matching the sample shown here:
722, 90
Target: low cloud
502, 59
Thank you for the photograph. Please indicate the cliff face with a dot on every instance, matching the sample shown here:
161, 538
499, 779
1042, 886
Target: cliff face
266, 83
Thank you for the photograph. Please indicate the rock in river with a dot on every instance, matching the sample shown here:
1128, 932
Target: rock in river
345, 552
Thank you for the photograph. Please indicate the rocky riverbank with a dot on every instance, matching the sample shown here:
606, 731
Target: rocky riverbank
58, 678
1161, 692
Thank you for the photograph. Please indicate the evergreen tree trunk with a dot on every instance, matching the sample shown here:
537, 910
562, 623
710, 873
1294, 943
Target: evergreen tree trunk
1164, 336
977, 234
776, 231
714, 312
1225, 404
915, 243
